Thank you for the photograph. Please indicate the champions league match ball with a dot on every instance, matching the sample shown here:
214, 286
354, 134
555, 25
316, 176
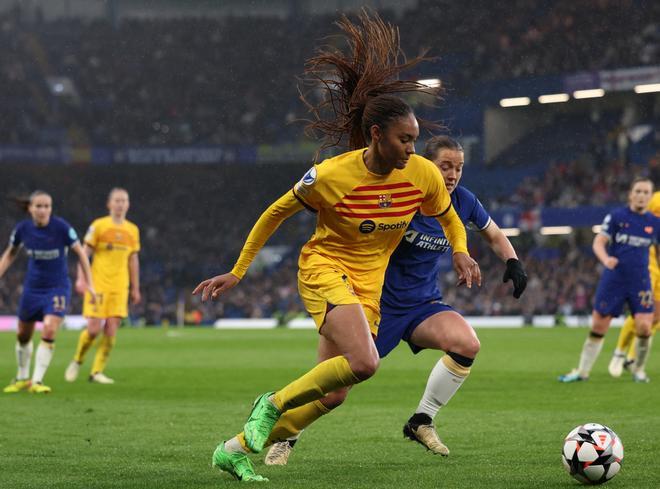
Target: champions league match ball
592, 453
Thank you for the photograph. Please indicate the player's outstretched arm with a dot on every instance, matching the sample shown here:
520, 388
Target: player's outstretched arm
83, 262
503, 248
280, 210
8, 258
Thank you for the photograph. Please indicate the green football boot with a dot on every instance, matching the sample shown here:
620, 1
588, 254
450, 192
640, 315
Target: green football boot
235, 463
263, 417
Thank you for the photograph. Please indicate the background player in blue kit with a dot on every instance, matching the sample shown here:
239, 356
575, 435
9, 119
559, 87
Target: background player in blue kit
412, 307
46, 289
622, 246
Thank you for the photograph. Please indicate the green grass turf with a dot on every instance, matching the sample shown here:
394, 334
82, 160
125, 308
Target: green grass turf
178, 394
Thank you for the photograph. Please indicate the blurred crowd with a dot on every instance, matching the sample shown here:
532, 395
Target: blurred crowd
523, 38
187, 80
591, 178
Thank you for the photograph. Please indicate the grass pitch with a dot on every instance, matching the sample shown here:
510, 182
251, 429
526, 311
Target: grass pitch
179, 394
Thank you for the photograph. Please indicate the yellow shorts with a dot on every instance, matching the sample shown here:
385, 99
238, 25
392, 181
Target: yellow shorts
108, 305
655, 283
329, 287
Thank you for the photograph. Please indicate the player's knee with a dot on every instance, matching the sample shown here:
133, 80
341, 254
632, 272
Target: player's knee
468, 346
335, 399
472, 347
49, 333
600, 324
365, 367
24, 337
643, 328
599, 329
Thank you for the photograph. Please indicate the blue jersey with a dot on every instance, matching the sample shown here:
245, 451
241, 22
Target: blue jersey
411, 278
631, 235
47, 248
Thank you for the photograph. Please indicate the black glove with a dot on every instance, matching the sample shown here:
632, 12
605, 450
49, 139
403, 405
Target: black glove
515, 273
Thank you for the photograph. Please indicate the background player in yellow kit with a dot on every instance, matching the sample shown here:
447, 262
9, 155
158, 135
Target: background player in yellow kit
624, 353
364, 200
114, 243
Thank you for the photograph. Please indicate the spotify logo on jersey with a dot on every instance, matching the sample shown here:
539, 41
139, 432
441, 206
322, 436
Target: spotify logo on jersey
367, 226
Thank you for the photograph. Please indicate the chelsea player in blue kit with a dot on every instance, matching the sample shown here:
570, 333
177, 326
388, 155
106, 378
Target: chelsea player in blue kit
622, 246
46, 290
411, 303
412, 308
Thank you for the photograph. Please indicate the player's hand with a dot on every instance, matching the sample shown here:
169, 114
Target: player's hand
516, 273
467, 270
81, 286
136, 297
213, 287
611, 262
92, 294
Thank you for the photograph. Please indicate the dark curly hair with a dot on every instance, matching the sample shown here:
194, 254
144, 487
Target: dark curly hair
359, 87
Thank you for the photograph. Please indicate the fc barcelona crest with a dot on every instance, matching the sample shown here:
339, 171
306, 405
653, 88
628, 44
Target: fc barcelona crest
384, 201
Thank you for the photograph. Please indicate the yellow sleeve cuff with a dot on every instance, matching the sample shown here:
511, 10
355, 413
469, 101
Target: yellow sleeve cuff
454, 230
237, 273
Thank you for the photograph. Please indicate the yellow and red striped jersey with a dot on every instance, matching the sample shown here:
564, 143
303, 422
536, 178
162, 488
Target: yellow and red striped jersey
362, 215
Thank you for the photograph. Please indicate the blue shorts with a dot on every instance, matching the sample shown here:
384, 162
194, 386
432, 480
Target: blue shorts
35, 304
399, 325
614, 292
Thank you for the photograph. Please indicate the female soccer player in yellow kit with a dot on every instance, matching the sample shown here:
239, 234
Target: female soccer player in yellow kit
114, 242
364, 200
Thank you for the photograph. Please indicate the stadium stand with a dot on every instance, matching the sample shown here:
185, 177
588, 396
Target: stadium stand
224, 98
